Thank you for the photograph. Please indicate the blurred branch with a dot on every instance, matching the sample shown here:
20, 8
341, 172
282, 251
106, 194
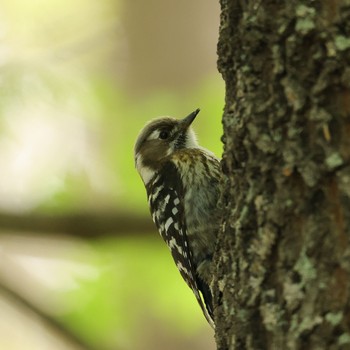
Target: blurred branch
47, 320
86, 225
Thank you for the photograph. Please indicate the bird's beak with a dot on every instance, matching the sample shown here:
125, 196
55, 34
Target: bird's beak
187, 121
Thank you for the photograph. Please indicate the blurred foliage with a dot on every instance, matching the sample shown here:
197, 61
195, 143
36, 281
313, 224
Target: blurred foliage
137, 280
68, 123
104, 120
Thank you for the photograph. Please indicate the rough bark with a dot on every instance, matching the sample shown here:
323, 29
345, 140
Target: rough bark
283, 258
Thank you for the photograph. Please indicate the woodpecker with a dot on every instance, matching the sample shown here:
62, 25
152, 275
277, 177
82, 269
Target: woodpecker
182, 185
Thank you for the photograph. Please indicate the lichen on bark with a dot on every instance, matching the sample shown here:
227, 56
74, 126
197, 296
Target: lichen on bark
283, 256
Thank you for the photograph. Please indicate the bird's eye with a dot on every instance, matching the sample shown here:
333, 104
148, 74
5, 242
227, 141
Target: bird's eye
164, 135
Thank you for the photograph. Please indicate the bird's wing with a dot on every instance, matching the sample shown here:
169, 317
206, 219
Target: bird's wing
164, 196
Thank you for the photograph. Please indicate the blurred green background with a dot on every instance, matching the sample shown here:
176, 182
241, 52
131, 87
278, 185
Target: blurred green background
81, 265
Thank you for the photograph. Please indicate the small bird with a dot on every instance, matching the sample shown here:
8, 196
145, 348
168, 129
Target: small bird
182, 185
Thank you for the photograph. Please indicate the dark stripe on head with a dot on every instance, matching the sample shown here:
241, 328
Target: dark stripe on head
157, 124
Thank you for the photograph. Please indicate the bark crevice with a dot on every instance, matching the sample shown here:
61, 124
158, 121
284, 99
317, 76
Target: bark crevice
283, 257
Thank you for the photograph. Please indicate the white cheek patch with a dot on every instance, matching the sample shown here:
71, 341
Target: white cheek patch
145, 172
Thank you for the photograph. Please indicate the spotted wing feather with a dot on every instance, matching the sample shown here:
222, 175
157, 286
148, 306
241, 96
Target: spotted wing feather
164, 193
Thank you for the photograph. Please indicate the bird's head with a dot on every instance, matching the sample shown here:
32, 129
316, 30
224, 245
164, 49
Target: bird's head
160, 138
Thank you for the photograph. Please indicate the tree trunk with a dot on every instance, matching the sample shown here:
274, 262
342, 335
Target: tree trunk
283, 257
